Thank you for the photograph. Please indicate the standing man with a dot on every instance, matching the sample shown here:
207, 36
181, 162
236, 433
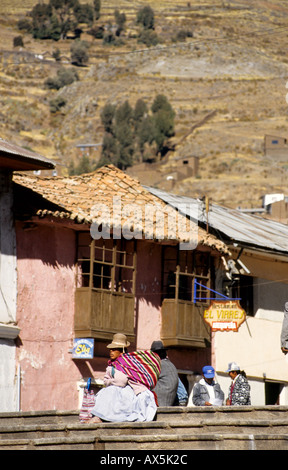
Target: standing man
166, 387
206, 392
284, 332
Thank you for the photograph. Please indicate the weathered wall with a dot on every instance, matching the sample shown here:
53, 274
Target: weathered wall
46, 281
148, 293
8, 295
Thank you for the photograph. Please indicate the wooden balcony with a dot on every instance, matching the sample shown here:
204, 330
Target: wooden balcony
183, 324
100, 313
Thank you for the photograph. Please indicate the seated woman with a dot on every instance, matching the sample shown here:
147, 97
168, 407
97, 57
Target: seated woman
128, 381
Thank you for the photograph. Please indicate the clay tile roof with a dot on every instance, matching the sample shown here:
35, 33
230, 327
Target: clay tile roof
79, 197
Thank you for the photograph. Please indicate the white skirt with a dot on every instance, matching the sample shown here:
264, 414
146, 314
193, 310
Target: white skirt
118, 404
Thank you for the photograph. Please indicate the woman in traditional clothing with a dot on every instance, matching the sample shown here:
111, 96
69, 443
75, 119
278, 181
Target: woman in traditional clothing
128, 381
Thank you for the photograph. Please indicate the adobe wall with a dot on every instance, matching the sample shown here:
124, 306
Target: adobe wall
45, 311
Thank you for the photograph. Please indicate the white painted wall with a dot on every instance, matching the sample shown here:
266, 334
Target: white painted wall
8, 378
8, 298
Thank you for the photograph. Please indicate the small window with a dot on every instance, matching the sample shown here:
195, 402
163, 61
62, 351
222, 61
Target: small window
180, 270
106, 264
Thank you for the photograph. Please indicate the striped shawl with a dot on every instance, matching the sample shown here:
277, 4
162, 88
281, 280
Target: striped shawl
141, 367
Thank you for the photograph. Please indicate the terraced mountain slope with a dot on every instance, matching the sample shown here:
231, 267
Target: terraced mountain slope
235, 64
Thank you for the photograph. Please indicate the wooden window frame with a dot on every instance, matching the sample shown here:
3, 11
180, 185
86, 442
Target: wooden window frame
116, 283
198, 293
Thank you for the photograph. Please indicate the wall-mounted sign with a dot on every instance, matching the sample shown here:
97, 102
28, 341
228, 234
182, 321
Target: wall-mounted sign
83, 348
224, 315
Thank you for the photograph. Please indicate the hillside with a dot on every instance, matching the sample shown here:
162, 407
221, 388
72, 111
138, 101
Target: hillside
235, 64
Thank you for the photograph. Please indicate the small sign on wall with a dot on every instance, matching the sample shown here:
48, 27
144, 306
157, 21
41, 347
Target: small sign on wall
83, 348
224, 315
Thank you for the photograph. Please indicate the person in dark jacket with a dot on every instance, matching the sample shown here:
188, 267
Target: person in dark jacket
206, 392
166, 387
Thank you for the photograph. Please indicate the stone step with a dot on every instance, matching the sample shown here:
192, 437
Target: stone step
175, 428
164, 414
249, 426
209, 441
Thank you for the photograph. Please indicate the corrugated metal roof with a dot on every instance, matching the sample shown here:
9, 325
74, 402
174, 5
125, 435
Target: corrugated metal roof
235, 225
11, 153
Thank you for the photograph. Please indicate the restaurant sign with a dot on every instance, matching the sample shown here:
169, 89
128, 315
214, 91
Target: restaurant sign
224, 315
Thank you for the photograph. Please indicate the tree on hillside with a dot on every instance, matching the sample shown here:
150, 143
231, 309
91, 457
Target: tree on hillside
124, 134
145, 17
97, 8
163, 118
57, 18
147, 35
107, 116
120, 19
133, 134
84, 13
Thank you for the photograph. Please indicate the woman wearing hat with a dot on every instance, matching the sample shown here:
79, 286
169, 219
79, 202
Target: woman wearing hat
127, 393
239, 390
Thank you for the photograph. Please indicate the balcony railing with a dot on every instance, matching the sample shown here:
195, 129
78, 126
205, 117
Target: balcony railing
101, 313
183, 324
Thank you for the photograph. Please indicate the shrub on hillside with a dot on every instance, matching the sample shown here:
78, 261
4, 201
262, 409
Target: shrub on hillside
64, 77
149, 38
56, 104
79, 54
18, 41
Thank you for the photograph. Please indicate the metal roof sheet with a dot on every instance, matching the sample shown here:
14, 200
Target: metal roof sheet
232, 223
17, 158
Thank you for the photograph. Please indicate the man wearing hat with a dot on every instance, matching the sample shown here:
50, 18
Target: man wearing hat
166, 387
206, 392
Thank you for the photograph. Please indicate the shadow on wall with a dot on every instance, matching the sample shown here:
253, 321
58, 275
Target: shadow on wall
55, 246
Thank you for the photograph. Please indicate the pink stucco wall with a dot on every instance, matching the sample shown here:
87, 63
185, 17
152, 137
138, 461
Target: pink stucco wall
45, 311
46, 256
148, 294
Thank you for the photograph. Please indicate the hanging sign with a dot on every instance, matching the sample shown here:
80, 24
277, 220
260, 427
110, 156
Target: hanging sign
83, 348
224, 315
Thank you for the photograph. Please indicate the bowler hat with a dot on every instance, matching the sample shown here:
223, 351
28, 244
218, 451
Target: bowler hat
157, 346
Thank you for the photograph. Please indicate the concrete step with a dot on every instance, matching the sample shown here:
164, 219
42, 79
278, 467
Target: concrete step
175, 428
